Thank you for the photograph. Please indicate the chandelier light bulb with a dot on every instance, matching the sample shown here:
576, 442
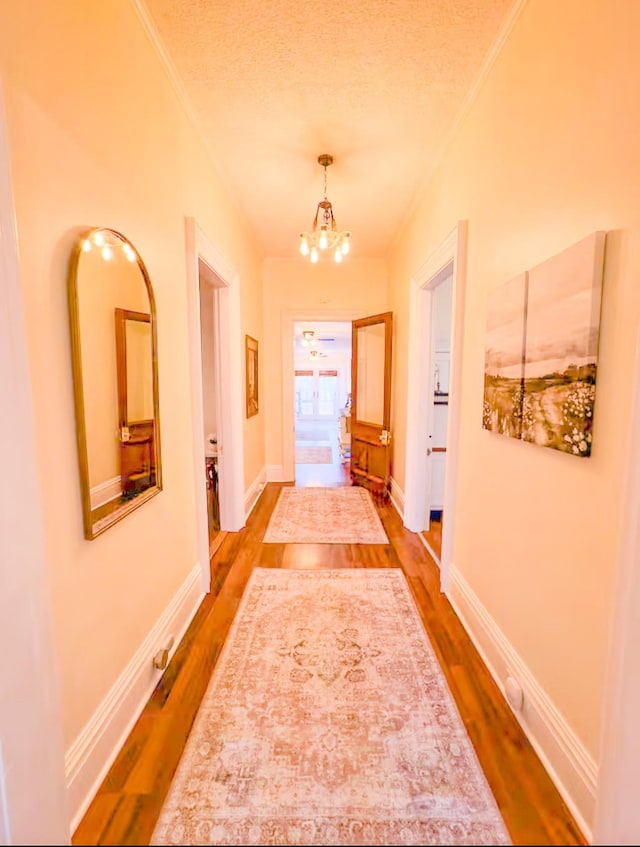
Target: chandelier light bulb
107, 253
98, 239
345, 244
86, 245
314, 255
338, 255
304, 245
323, 243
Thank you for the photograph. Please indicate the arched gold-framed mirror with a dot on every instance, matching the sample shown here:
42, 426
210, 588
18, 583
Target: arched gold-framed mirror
112, 315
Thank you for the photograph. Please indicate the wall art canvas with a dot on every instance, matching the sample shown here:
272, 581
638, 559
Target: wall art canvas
561, 347
504, 358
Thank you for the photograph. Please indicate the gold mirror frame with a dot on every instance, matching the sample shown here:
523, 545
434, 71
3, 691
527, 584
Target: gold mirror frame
96, 522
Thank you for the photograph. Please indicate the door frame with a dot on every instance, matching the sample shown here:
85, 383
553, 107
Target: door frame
289, 318
617, 815
451, 251
228, 355
430, 369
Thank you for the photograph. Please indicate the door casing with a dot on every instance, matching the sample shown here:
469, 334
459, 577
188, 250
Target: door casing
453, 250
287, 473
229, 387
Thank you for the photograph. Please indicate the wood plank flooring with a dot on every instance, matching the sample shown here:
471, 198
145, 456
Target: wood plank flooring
129, 801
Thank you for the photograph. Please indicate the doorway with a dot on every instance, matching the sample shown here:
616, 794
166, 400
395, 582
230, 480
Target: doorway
204, 260
321, 391
431, 422
210, 389
437, 388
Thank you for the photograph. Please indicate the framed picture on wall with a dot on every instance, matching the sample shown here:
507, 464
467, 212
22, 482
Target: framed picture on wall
251, 357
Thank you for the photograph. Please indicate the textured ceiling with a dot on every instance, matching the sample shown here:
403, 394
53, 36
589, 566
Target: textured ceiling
378, 84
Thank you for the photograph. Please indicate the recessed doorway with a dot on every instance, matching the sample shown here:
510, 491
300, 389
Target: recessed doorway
437, 387
206, 263
434, 376
322, 393
210, 391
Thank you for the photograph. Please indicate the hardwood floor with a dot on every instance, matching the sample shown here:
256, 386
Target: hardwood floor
128, 802
433, 536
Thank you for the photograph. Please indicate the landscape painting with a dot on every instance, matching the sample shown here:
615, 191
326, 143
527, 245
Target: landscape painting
561, 349
504, 358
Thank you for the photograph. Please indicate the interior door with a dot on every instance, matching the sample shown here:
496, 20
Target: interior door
371, 402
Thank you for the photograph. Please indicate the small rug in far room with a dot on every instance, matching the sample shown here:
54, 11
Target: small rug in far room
313, 456
325, 516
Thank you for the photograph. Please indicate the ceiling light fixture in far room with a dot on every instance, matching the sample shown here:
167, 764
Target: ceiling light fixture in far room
308, 338
325, 235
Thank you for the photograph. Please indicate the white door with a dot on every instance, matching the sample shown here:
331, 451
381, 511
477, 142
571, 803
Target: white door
438, 406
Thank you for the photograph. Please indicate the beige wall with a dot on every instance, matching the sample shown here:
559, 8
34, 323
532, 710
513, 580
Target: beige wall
98, 137
295, 288
547, 154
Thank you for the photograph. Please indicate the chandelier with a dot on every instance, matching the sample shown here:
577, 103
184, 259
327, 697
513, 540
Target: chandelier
324, 235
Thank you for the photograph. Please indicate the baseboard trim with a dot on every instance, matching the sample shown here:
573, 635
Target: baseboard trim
396, 496
93, 752
569, 764
275, 473
105, 491
254, 491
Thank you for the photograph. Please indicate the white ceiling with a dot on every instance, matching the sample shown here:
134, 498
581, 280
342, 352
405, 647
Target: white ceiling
378, 84
330, 336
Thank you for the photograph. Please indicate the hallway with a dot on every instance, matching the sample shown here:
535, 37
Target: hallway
129, 801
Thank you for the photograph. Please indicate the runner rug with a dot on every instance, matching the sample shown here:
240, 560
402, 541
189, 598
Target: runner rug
328, 720
325, 516
313, 455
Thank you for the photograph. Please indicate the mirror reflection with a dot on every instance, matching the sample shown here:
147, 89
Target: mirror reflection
113, 335
370, 377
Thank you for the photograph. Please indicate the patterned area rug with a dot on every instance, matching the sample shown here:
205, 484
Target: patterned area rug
328, 721
325, 516
313, 455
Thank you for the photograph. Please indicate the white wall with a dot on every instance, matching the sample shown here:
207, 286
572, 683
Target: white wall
546, 154
70, 125
295, 290
33, 799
